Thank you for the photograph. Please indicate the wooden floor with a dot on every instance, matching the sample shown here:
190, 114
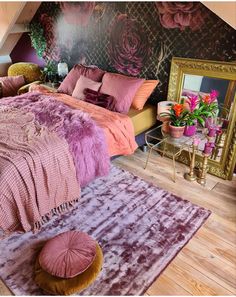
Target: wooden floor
207, 264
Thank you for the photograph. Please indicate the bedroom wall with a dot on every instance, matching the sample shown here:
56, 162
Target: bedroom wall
133, 38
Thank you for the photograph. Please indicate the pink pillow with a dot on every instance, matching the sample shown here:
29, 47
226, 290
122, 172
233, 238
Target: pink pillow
68, 254
84, 83
11, 84
123, 88
100, 99
68, 84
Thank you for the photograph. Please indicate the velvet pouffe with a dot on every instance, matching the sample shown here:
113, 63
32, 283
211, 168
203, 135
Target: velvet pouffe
69, 243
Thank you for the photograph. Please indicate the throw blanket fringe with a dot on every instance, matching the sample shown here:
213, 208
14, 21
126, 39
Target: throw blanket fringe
63, 208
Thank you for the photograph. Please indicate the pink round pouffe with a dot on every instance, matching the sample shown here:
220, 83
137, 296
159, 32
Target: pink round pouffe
68, 254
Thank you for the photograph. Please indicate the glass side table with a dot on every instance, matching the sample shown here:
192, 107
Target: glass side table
159, 141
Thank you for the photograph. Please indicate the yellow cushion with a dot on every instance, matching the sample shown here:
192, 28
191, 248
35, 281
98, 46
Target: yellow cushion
30, 71
61, 286
25, 88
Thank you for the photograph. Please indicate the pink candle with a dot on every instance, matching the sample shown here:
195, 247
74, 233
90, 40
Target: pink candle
212, 131
196, 141
208, 148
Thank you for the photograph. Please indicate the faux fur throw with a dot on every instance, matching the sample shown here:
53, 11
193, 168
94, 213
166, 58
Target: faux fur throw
86, 140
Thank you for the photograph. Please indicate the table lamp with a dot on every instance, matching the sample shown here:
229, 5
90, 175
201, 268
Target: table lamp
164, 106
62, 70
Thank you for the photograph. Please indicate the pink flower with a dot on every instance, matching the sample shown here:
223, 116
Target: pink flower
192, 102
77, 12
128, 45
180, 15
213, 96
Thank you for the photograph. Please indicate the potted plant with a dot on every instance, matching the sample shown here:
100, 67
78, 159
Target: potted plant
177, 116
50, 71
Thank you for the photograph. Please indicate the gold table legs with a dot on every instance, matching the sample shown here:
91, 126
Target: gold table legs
191, 176
203, 171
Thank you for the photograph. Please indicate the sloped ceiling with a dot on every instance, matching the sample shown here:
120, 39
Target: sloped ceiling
225, 10
14, 17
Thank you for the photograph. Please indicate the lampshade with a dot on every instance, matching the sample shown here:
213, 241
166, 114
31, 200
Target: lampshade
163, 106
62, 69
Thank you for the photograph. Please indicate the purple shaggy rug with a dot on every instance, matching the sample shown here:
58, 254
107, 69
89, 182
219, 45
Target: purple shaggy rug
140, 228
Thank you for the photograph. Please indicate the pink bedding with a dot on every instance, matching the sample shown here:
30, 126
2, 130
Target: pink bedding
118, 127
33, 183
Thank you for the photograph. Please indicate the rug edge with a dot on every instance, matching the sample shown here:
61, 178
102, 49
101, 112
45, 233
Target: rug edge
177, 252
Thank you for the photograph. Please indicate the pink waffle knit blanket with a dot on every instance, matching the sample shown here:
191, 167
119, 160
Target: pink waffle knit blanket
37, 172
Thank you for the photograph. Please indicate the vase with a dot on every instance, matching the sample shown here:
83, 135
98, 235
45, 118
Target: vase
176, 132
190, 130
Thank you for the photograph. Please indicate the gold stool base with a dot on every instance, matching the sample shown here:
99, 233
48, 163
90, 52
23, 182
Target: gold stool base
201, 181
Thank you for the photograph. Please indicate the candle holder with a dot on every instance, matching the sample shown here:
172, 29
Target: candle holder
191, 176
203, 171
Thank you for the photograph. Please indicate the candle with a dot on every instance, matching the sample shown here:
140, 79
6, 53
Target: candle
218, 131
196, 141
212, 131
208, 148
225, 124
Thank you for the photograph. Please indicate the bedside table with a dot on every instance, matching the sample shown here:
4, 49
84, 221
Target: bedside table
159, 141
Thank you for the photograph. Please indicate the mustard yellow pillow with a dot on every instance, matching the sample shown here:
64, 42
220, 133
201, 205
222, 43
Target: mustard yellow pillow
62, 286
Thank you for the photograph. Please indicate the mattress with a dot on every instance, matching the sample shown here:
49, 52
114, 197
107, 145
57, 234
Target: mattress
143, 119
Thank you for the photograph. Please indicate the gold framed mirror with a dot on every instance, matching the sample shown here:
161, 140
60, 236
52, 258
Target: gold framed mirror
201, 76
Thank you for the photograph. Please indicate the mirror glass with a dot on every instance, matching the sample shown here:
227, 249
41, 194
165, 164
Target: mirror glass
203, 85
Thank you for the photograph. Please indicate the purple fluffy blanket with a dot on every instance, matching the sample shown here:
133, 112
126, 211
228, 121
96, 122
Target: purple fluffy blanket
86, 140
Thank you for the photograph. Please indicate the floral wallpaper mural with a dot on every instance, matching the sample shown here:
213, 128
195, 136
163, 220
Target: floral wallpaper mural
134, 38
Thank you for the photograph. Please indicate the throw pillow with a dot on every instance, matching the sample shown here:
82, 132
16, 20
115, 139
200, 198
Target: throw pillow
143, 93
84, 83
123, 88
68, 84
100, 99
68, 254
11, 84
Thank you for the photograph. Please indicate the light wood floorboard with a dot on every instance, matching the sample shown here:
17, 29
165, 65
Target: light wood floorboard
207, 264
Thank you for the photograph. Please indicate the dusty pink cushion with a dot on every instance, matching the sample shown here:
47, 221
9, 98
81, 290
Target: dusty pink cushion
123, 88
68, 84
85, 83
68, 254
11, 84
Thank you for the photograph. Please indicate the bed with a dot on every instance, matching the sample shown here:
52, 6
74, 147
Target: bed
51, 145
49, 132
143, 119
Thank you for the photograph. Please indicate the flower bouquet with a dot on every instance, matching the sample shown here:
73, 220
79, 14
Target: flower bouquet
208, 106
177, 115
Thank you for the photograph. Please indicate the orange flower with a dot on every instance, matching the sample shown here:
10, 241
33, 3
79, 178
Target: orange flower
178, 108
206, 99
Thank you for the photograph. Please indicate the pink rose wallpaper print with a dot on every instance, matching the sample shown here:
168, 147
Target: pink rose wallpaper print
133, 38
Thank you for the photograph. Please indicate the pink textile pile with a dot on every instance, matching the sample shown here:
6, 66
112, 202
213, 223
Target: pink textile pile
33, 183
84, 137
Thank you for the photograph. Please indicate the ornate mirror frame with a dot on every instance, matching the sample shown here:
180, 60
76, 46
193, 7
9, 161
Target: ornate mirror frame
215, 69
